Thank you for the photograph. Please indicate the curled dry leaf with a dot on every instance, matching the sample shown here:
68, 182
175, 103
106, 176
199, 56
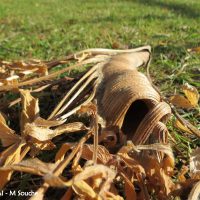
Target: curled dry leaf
101, 172
13, 154
195, 193
44, 133
103, 156
195, 164
36, 134
7, 135
195, 49
32, 166
30, 108
182, 127
191, 100
129, 189
180, 101
191, 93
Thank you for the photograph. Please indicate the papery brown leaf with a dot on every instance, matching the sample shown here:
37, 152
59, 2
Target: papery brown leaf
5, 177
39, 194
111, 196
14, 156
191, 93
195, 49
37, 146
195, 193
181, 126
32, 65
68, 194
180, 101
186, 123
191, 100
32, 166
7, 135
11, 155
44, 133
55, 181
39, 133
62, 151
129, 189
195, 164
164, 148
30, 108
47, 123
84, 190
103, 155
93, 172
70, 128
158, 177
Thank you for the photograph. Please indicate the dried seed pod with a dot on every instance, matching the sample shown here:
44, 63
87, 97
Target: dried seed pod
126, 98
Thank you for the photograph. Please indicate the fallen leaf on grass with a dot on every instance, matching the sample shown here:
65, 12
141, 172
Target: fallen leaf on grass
191, 93
191, 100
180, 101
195, 49
195, 164
181, 126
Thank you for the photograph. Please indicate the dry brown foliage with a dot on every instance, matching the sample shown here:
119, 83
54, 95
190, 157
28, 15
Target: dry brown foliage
115, 105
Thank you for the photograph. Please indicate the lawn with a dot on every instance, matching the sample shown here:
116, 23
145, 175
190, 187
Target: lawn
52, 29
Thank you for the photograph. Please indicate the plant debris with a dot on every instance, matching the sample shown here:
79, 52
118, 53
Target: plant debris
105, 131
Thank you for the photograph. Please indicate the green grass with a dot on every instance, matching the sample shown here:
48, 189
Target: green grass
50, 29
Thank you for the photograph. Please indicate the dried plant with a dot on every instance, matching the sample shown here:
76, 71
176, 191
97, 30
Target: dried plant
115, 105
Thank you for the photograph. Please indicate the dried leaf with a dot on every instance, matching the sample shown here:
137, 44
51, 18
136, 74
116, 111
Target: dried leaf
37, 146
195, 49
61, 152
5, 177
192, 97
10, 156
181, 174
30, 108
55, 181
7, 135
39, 194
68, 194
129, 189
166, 149
101, 172
33, 166
195, 193
191, 93
103, 155
44, 133
180, 101
181, 126
47, 123
195, 164
84, 190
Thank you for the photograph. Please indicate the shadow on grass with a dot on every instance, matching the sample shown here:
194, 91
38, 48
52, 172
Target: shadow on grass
177, 8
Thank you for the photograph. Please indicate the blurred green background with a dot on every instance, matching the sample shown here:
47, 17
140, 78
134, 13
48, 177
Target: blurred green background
48, 29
